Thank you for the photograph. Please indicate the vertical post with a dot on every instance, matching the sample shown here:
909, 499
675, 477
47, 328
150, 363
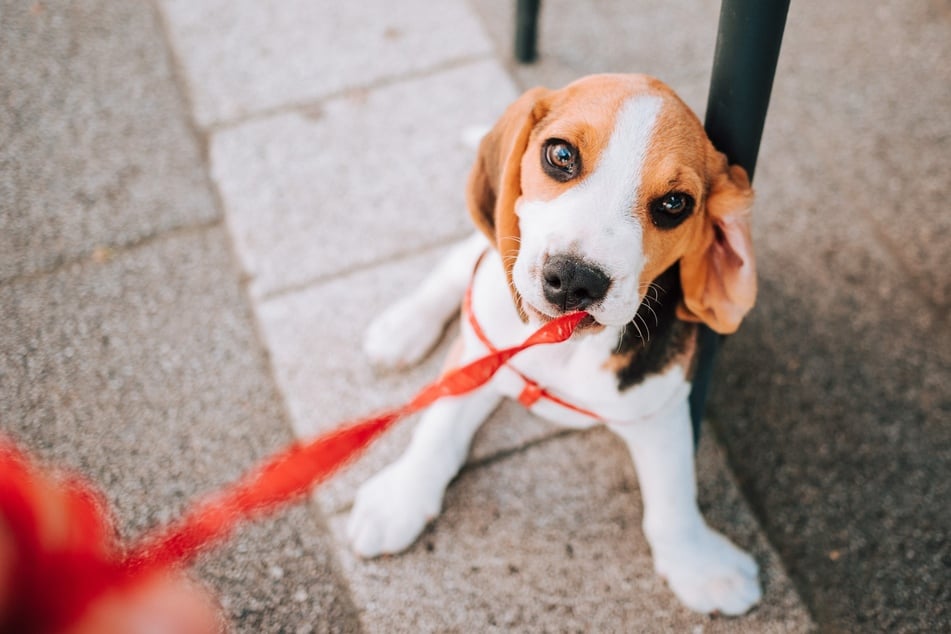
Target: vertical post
744, 63
526, 30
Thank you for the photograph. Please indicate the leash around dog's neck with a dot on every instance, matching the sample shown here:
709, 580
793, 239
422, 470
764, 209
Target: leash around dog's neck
294, 471
531, 392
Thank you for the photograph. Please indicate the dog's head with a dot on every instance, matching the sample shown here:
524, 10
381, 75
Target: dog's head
592, 191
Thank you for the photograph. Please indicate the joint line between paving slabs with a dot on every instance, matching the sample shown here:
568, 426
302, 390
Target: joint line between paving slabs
307, 105
515, 451
180, 78
494, 458
323, 278
105, 253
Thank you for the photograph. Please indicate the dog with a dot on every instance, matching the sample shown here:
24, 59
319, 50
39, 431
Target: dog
604, 196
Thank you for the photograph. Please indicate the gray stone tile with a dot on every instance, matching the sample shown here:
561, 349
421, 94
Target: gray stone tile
145, 374
314, 337
315, 193
549, 540
247, 56
94, 145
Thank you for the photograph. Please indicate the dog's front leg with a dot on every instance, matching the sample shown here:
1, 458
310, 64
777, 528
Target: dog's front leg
392, 508
704, 569
407, 330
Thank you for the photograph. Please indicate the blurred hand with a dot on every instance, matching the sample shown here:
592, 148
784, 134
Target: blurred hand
60, 564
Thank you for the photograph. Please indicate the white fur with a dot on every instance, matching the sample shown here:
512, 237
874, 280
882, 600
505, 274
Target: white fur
594, 220
703, 568
413, 318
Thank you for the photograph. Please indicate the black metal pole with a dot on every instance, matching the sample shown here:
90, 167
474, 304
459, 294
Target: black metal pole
744, 63
526, 30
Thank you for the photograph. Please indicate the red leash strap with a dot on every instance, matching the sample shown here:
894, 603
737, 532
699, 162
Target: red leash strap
283, 477
293, 472
532, 392
55, 583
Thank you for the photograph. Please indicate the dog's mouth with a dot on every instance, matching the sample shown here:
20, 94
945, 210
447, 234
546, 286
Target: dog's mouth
588, 325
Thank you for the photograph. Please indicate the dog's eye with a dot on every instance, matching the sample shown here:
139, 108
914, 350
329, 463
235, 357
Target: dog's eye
560, 160
671, 209
561, 155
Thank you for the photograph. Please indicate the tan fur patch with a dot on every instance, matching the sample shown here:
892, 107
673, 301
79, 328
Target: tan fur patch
617, 362
676, 162
584, 114
685, 358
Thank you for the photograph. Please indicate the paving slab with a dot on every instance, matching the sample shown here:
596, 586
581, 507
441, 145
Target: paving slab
305, 190
549, 540
95, 148
314, 337
145, 374
246, 56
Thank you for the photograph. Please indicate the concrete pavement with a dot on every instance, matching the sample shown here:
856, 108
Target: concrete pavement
210, 200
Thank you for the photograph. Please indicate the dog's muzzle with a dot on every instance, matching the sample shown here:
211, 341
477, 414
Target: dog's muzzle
571, 284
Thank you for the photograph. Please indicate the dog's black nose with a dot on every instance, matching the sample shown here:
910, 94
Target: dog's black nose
570, 284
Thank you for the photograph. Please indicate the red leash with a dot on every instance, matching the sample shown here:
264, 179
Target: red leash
285, 476
531, 392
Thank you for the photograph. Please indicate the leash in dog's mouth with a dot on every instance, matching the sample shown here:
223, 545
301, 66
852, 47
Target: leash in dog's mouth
589, 323
585, 325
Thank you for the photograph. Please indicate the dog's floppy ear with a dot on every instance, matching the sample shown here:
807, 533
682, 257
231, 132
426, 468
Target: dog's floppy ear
495, 181
718, 273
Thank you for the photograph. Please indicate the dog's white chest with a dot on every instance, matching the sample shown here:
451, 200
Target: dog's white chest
575, 372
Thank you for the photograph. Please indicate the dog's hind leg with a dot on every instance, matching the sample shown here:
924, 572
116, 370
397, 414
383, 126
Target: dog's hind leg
405, 332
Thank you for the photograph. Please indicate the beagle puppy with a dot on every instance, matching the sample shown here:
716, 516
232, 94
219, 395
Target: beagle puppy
604, 196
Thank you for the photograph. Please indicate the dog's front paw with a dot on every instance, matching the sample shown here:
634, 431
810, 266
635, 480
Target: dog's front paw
708, 573
390, 511
400, 337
